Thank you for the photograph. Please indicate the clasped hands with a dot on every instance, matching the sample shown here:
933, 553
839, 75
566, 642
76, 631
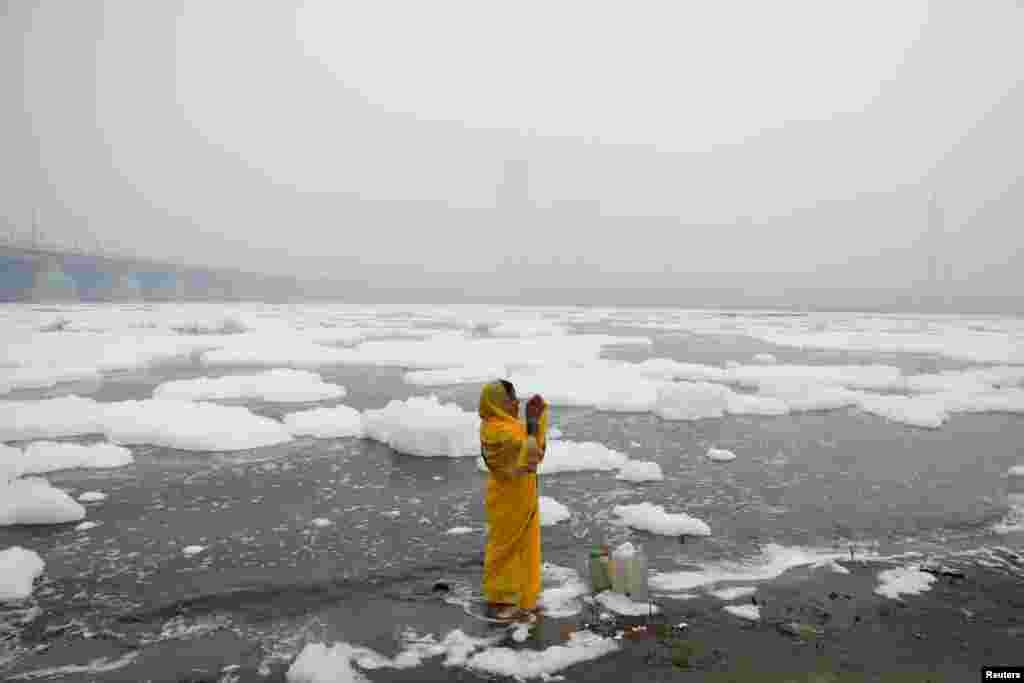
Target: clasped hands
534, 408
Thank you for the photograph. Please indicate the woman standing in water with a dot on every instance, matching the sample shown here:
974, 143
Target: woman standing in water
512, 452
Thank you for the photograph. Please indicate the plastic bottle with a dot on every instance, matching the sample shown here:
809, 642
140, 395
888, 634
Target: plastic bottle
600, 569
637, 586
622, 559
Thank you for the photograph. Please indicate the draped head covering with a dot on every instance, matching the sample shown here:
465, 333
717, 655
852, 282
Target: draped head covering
503, 437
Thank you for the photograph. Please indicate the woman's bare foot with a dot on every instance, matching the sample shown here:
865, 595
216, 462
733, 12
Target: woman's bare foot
528, 616
502, 612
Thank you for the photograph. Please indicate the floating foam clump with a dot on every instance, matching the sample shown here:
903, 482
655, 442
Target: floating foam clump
733, 593
41, 376
573, 456
10, 463
806, 396
926, 412
903, 580
691, 401
607, 385
653, 518
424, 426
773, 561
273, 349
561, 600
877, 377
582, 646
34, 501
90, 352
190, 426
92, 497
750, 404
226, 325
49, 418
318, 663
667, 369
19, 568
281, 385
621, 604
552, 512
531, 327
639, 471
748, 612
720, 455
326, 423
41, 457
450, 376
175, 424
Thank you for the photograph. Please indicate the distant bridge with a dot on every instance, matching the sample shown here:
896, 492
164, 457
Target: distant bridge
52, 273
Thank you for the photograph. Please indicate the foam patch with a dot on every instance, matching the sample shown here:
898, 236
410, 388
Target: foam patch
279, 385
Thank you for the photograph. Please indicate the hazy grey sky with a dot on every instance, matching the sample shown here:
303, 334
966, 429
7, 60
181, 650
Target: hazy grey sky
787, 137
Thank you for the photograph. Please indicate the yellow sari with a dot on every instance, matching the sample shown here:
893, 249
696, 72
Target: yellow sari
512, 557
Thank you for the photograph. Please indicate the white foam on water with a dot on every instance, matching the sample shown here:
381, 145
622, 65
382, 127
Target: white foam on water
582, 646
282, 385
621, 604
190, 426
426, 427
19, 568
451, 376
1013, 522
326, 423
903, 581
773, 561
268, 350
191, 550
33, 500
563, 588
748, 612
640, 471
575, 456
96, 666
318, 663
459, 530
527, 327
552, 512
734, 593
43, 376
49, 418
41, 457
92, 497
186, 425
653, 518
691, 401
720, 455
610, 386
835, 567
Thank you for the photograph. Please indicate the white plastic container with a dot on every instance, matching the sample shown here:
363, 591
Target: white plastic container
621, 563
636, 584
